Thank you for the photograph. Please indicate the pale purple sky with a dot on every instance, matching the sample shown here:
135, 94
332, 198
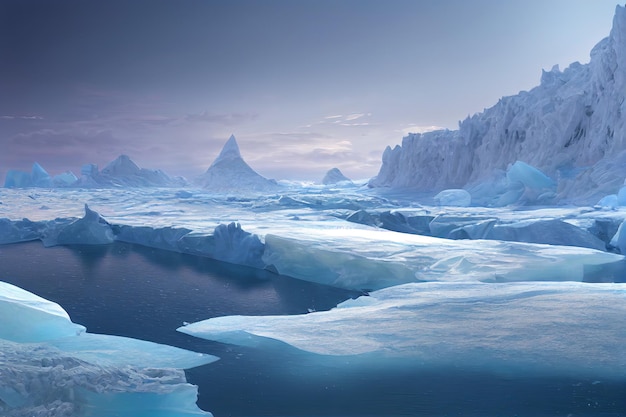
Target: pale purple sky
304, 85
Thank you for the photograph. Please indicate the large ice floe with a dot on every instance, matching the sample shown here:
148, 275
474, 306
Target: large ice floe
334, 252
52, 367
527, 328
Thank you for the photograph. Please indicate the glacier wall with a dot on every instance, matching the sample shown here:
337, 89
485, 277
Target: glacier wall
570, 127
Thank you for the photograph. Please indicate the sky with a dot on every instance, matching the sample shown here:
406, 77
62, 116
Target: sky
304, 85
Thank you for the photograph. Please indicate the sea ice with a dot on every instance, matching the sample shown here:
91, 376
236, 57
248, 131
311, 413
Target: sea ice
51, 367
92, 229
552, 232
27, 317
369, 259
548, 328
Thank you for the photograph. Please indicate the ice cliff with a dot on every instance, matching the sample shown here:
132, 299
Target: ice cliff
570, 127
229, 172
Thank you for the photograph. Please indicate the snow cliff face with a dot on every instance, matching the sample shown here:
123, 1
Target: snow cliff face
571, 127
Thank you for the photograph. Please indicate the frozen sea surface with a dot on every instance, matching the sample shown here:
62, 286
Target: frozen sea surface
142, 270
100, 285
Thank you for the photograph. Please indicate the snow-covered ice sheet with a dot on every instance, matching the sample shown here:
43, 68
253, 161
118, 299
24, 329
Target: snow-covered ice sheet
50, 366
369, 259
304, 235
548, 327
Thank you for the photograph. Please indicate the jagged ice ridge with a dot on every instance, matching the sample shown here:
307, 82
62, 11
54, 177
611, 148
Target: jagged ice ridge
571, 127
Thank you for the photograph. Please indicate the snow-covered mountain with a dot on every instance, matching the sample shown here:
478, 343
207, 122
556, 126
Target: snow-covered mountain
122, 171
229, 172
571, 127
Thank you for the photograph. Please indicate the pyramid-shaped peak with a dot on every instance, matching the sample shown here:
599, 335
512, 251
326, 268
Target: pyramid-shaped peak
122, 165
229, 152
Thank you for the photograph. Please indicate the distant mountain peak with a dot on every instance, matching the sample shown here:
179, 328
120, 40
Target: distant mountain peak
122, 165
230, 151
230, 172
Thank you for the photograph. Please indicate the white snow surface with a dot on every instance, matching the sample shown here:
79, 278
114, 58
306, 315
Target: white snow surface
50, 366
547, 328
570, 127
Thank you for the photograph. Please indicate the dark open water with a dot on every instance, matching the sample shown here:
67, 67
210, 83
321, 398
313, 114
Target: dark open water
145, 293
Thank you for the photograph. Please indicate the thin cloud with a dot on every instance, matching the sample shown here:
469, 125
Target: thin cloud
347, 120
227, 119
419, 129
354, 116
10, 117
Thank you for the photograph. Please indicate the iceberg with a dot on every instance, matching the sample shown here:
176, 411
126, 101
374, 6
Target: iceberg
569, 127
51, 366
65, 179
453, 197
17, 179
38, 177
121, 172
229, 172
526, 328
609, 201
335, 176
92, 229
